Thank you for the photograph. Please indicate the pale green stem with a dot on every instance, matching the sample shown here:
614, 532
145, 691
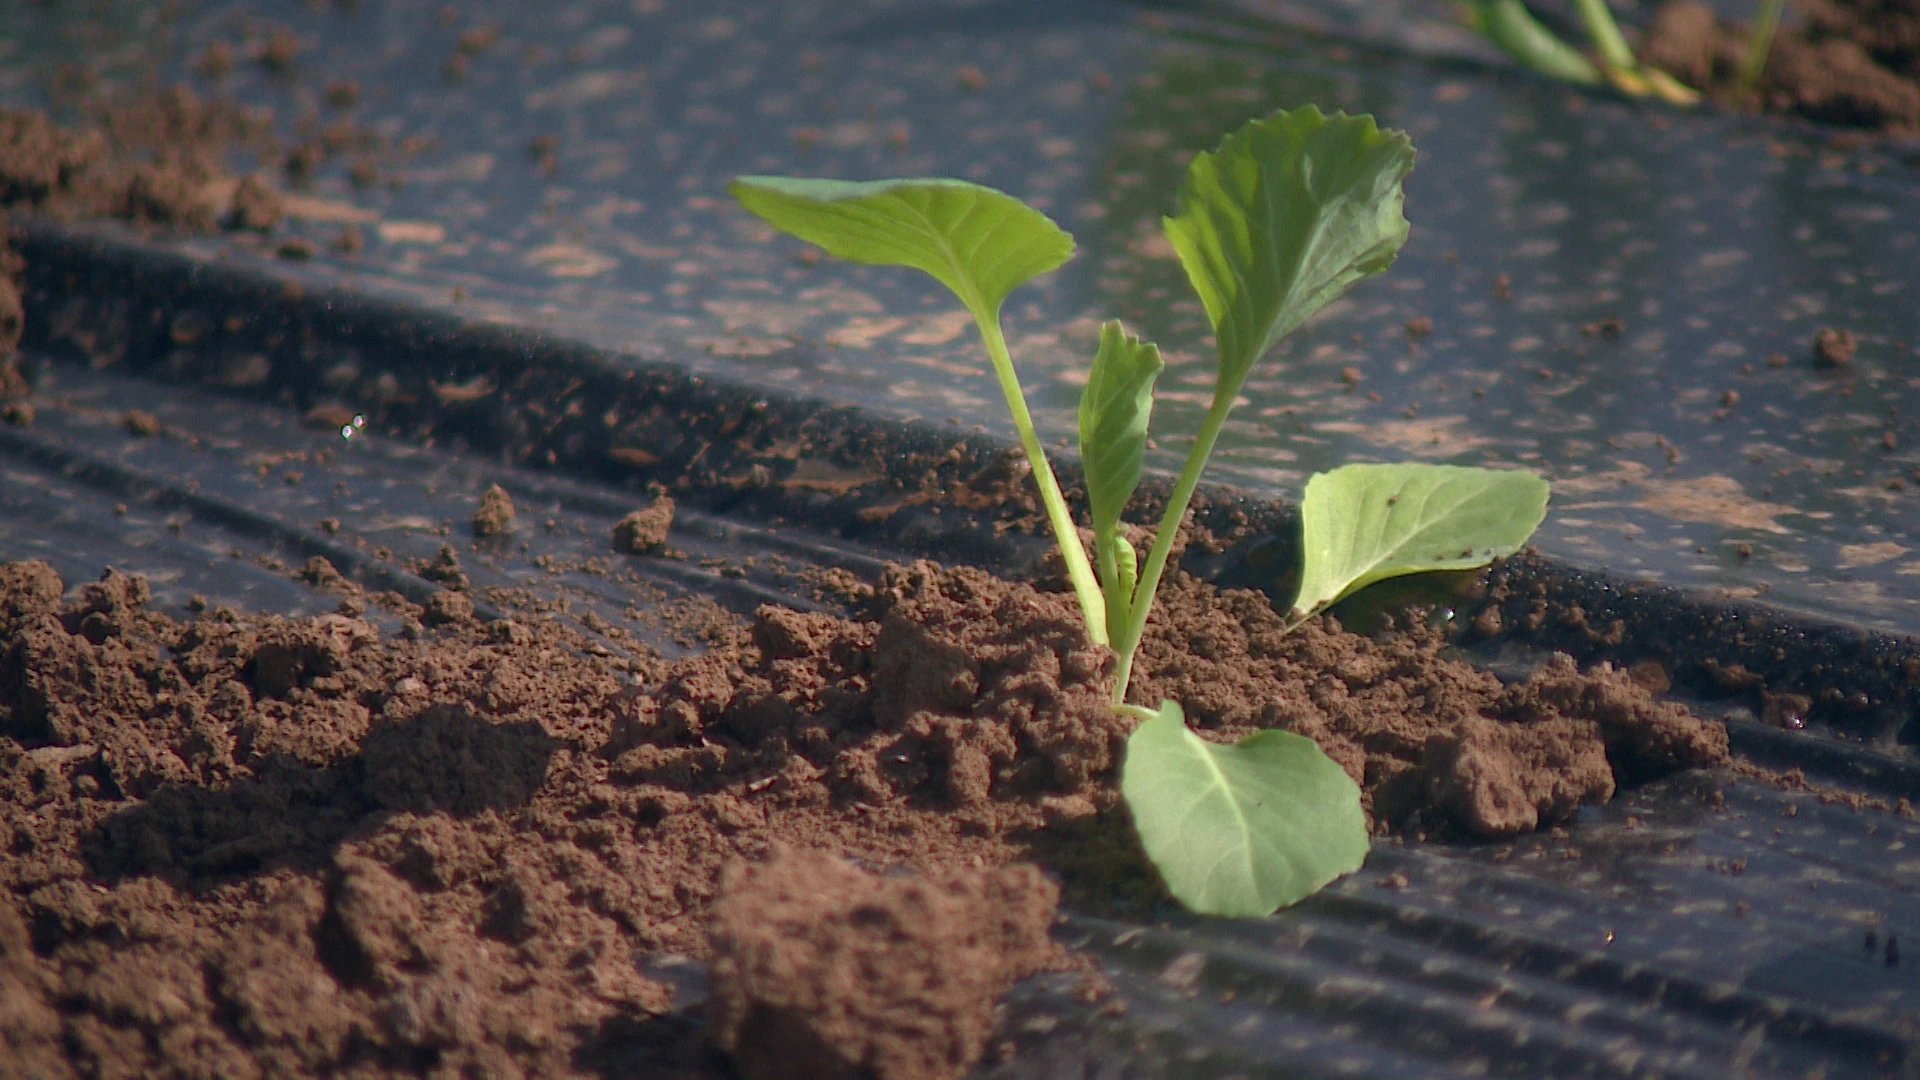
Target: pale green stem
1183, 489
1606, 35
1759, 44
1086, 588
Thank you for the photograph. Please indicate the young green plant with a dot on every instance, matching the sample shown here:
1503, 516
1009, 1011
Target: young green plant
1282, 218
1513, 29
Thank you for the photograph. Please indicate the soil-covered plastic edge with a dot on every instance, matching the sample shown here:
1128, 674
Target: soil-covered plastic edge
1794, 669
538, 399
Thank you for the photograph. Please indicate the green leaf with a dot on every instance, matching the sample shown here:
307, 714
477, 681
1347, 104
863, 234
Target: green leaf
1287, 214
1245, 829
979, 242
1364, 523
1114, 410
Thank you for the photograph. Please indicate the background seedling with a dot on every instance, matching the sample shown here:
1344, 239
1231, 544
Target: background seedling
1282, 218
1759, 44
1511, 27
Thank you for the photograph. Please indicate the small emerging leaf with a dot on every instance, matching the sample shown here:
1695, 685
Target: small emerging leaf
1114, 410
1364, 523
978, 242
1126, 565
1287, 214
1240, 830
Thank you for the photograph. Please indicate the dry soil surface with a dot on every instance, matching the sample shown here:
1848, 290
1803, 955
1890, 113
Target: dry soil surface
1849, 62
254, 846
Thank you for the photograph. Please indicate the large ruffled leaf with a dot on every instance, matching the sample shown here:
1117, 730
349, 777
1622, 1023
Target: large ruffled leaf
1287, 214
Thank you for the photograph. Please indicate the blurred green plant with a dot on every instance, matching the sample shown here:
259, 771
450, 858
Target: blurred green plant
1511, 27
1759, 45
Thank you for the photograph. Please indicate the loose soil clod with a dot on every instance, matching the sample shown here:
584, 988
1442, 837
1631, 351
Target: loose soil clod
141, 424
1833, 348
644, 531
255, 206
822, 971
495, 512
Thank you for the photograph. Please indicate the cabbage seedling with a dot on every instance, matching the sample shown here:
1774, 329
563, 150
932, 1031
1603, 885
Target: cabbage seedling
1513, 29
1279, 220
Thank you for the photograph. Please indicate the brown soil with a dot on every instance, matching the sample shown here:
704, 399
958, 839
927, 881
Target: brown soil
1833, 348
822, 971
494, 515
1850, 62
153, 160
12, 315
259, 846
644, 531
13, 321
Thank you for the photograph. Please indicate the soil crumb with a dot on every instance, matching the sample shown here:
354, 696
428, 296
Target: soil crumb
254, 845
1850, 62
1833, 348
644, 531
495, 513
256, 207
822, 971
141, 423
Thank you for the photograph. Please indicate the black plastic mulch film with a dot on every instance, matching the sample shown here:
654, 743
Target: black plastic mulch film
1699, 926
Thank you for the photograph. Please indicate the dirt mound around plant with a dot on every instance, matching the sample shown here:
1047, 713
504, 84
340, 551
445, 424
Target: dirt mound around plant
251, 845
1851, 62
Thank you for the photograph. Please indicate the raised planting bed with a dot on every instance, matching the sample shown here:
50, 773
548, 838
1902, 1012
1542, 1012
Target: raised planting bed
489, 766
396, 685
